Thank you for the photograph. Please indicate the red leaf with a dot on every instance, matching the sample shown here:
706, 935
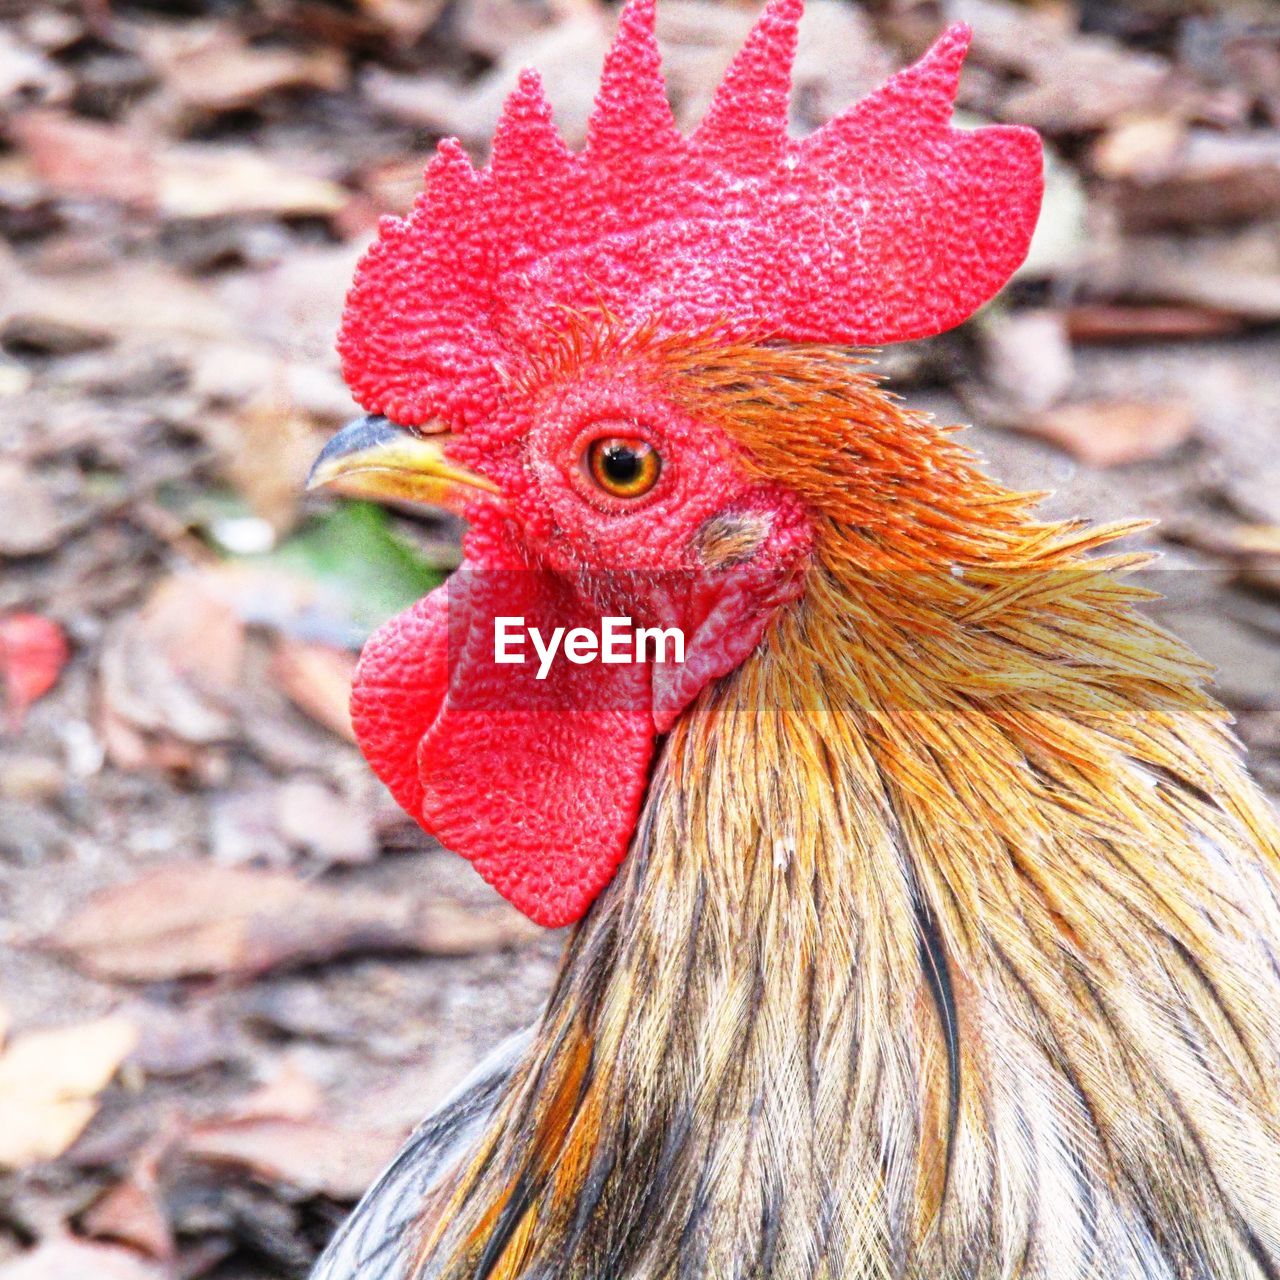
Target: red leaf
33, 651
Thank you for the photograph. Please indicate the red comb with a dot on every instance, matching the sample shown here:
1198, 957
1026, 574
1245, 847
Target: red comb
886, 224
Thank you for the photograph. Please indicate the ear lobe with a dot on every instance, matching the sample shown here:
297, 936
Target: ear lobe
752, 555
732, 609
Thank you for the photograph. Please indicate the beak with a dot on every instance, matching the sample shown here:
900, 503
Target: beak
375, 459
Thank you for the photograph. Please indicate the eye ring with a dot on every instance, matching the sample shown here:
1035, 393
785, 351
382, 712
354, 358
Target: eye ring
622, 466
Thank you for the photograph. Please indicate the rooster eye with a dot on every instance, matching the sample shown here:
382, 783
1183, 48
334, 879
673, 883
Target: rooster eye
623, 466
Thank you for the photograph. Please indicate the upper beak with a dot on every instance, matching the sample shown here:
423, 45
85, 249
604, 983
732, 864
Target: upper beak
373, 458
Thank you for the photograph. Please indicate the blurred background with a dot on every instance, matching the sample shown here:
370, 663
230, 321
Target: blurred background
232, 975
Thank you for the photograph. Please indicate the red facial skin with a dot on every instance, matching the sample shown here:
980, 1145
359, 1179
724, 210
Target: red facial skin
539, 782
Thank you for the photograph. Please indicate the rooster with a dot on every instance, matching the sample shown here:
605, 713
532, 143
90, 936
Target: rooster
926, 917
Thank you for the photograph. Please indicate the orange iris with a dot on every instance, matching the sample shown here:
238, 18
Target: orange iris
623, 466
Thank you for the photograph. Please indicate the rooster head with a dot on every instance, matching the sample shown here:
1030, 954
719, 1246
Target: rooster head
534, 345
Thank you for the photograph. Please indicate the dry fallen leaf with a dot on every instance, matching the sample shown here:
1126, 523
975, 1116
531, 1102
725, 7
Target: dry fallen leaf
1236, 269
324, 824
280, 1134
313, 1157
1257, 540
32, 523
84, 309
1110, 433
169, 675
75, 1260
1069, 82
559, 52
49, 1082
1109, 322
132, 1213
1027, 359
75, 157
211, 67
266, 454
407, 20
1138, 145
33, 651
491, 27
290, 1094
203, 180
1211, 177
184, 920
318, 680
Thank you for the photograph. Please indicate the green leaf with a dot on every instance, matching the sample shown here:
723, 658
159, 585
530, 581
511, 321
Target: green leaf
355, 553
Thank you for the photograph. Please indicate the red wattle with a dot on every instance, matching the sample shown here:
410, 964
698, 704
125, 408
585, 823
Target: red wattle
537, 782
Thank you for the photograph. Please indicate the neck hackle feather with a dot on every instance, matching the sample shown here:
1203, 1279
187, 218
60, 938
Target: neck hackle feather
947, 945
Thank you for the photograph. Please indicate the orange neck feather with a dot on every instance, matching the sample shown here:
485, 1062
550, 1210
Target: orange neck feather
946, 944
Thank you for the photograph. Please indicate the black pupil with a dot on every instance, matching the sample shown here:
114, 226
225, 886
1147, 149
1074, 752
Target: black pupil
621, 464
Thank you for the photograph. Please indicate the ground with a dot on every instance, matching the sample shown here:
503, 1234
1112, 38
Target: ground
232, 974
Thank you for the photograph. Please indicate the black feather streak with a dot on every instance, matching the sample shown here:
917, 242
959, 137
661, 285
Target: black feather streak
937, 973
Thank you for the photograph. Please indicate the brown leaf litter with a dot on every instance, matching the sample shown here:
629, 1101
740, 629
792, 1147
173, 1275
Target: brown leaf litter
197, 919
